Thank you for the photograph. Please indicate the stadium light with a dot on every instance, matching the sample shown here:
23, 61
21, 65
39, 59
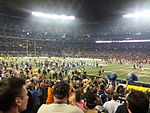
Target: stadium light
103, 41
145, 14
53, 16
122, 41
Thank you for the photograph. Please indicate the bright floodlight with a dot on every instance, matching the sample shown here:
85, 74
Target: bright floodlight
122, 41
145, 14
53, 16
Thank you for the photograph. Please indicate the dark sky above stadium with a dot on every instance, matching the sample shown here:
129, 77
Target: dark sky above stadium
88, 10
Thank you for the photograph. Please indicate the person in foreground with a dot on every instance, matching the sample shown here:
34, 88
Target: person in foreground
137, 102
61, 97
13, 95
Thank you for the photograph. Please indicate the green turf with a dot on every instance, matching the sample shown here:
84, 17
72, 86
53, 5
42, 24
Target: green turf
123, 70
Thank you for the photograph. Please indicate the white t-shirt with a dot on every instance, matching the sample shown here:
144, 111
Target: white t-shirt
59, 108
111, 106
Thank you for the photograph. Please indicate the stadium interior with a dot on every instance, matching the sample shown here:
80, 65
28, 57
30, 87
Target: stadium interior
47, 40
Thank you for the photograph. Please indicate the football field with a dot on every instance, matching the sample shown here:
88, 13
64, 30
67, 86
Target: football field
121, 69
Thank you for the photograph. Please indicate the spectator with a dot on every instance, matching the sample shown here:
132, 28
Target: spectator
101, 93
13, 95
30, 105
137, 102
36, 93
121, 93
99, 106
90, 103
61, 96
111, 106
122, 108
148, 94
50, 97
76, 99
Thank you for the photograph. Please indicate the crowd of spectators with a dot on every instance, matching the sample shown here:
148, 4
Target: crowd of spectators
19, 37
19, 47
79, 31
65, 90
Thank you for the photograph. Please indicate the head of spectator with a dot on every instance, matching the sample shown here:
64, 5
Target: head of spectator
137, 102
61, 92
13, 95
90, 100
115, 96
121, 90
109, 91
102, 86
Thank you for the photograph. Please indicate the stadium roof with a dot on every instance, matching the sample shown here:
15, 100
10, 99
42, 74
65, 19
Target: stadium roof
89, 10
